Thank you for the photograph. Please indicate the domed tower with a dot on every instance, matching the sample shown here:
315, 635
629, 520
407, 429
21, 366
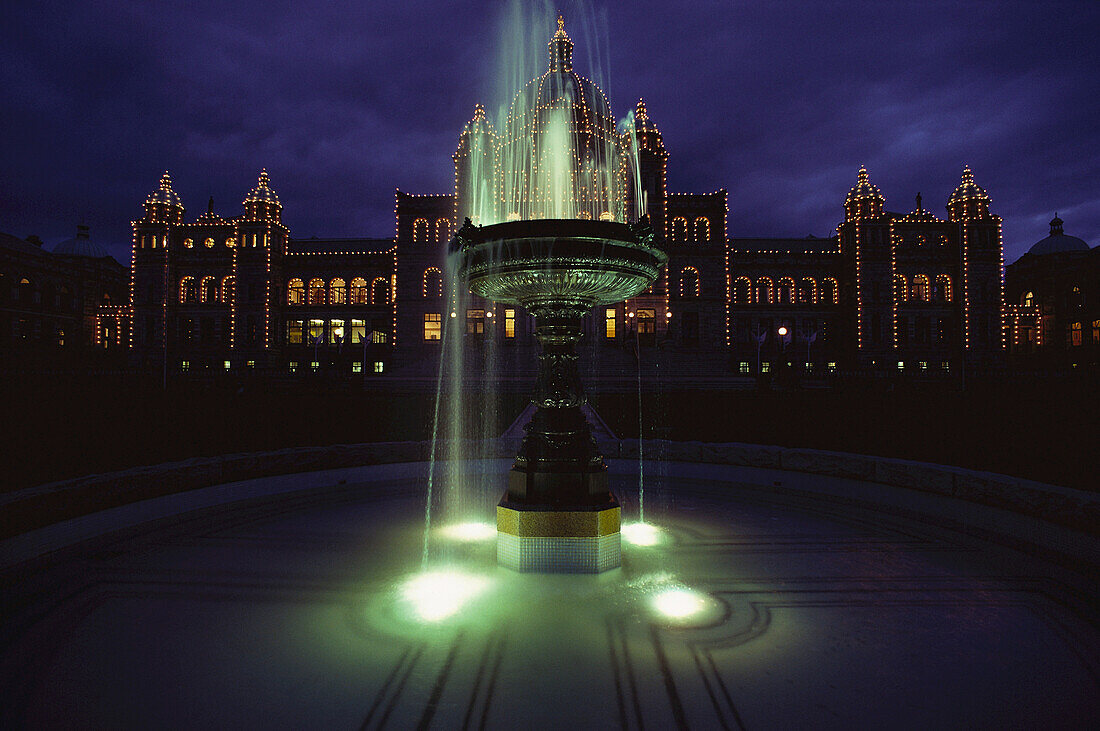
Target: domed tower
969, 201
559, 154
474, 170
866, 250
163, 205
262, 204
982, 269
646, 182
864, 200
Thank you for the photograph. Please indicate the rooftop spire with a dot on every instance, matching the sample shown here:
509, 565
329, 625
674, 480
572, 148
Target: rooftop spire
561, 49
1056, 225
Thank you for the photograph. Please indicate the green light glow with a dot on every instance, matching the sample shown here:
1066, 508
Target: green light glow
679, 602
642, 534
469, 532
436, 595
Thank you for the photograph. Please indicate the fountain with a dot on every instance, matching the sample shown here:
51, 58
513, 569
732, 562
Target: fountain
553, 239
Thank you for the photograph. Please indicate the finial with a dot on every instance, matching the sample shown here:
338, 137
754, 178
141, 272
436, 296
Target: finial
561, 24
165, 180
863, 173
968, 177
210, 206
918, 202
1056, 225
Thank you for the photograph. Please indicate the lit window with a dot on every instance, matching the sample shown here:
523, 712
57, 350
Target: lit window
314, 366
743, 366
923, 365
209, 243
1029, 299
509, 323
337, 292
433, 325
316, 331
921, 288
831, 366
358, 331
296, 292
809, 367
357, 367
945, 365
185, 365
294, 332
378, 337
359, 291
317, 291
609, 322
250, 364
901, 365
292, 366
378, 366
336, 332
1075, 333
226, 364
766, 367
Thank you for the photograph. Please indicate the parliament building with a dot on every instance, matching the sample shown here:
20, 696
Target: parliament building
910, 293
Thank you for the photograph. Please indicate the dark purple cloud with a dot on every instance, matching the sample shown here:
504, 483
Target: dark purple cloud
342, 102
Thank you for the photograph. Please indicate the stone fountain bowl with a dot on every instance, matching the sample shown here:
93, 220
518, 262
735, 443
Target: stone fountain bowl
556, 263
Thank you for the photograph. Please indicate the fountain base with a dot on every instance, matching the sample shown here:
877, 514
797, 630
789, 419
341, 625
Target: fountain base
557, 540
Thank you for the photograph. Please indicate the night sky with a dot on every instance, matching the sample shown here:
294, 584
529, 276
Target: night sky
779, 102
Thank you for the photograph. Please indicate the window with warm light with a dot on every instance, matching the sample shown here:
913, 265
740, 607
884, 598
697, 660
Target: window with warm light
358, 331
433, 325
336, 332
337, 292
609, 323
296, 292
378, 366
475, 322
316, 291
316, 331
359, 291
294, 332
509, 323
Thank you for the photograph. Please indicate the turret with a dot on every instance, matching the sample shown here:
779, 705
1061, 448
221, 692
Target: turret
474, 173
969, 201
864, 200
262, 204
163, 205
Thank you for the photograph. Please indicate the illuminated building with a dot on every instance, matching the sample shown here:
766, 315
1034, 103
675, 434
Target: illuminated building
57, 308
901, 293
1052, 295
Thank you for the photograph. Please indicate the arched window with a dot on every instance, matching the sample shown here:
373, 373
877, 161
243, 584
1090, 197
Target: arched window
317, 291
229, 289
689, 282
380, 291
901, 288
208, 291
296, 292
830, 292
442, 230
432, 284
922, 288
742, 291
359, 291
337, 292
764, 291
420, 230
25, 292
786, 291
702, 229
943, 288
807, 291
187, 290
1029, 299
679, 229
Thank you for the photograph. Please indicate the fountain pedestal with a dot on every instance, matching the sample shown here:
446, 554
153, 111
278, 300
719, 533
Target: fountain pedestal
558, 514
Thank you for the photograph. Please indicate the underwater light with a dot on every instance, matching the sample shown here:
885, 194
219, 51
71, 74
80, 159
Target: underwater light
679, 602
469, 532
642, 534
437, 595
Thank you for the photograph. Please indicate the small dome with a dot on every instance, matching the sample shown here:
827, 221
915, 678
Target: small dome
164, 195
263, 193
1057, 242
863, 188
82, 245
968, 189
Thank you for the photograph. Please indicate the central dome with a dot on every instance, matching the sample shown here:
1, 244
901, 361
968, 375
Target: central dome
559, 151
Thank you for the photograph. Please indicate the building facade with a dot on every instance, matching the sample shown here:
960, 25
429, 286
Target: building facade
1052, 303
60, 308
910, 293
